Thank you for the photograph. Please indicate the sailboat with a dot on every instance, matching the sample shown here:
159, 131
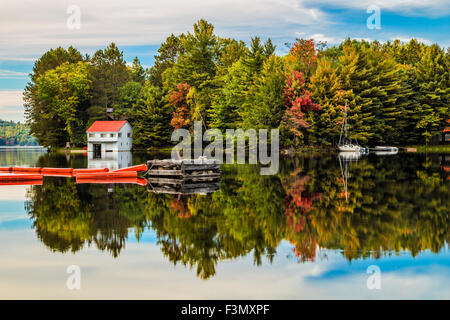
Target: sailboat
345, 143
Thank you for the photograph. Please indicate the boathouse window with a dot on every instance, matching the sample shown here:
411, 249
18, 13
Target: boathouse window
103, 135
129, 135
91, 135
120, 134
112, 135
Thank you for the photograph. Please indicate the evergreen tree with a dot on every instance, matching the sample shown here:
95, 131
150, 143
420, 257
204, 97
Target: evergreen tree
433, 92
108, 72
152, 114
231, 97
326, 90
167, 55
390, 95
129, 95
137, 72
354, 76
265, 107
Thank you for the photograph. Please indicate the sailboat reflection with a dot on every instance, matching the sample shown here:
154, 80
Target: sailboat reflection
344, 159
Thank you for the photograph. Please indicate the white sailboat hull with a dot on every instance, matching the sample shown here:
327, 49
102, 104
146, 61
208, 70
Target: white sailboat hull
349, 148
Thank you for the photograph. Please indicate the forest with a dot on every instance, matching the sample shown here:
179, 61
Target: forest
396, 93
15, 134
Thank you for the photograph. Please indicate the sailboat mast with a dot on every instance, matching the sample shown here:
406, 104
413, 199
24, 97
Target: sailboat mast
345, 122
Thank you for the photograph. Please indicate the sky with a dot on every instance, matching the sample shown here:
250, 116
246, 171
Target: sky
28, 28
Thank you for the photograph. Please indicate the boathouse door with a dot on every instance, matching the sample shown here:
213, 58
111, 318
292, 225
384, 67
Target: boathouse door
97, 150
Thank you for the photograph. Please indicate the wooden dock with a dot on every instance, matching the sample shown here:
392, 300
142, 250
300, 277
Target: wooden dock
183, 176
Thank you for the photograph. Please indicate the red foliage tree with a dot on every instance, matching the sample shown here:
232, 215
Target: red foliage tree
297, 100
182, 112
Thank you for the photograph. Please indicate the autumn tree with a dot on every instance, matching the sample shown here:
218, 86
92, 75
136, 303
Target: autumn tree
299, 107
178, 99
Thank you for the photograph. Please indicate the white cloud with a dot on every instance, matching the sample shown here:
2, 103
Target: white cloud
324, 38
7, 74
11, 105
34, 26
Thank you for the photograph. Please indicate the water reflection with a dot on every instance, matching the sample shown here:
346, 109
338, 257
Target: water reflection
391, 204
111, 160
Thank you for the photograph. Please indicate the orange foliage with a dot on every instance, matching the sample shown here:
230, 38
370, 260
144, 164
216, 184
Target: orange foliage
182, 112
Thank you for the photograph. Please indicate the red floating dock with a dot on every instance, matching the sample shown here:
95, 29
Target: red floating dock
107, 175
20, 177
138, 168
57, 170
139, 181
21, 183
26, 170
78, 171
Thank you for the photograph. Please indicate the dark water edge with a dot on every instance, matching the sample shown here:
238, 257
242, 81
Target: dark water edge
395, 214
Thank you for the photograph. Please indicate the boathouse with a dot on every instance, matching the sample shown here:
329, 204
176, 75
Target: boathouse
109, 136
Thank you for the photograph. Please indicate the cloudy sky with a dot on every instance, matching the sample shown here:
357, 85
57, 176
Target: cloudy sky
28, 28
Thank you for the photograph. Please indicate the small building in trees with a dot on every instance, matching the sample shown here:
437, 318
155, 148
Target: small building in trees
109, 136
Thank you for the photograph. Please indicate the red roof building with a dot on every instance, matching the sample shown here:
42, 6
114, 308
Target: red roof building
106, 126
108, 136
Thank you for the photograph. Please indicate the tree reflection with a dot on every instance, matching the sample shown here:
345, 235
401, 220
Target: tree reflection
393, 204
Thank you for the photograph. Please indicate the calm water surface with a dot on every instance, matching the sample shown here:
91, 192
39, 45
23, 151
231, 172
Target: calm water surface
311, 231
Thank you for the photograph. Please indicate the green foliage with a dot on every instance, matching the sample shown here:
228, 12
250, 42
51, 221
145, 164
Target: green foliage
265, 107
15, 134
129, 95
63, 93
326, 88
137, 71
108, 72
152, 115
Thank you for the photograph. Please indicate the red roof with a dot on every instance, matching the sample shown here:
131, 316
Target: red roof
446, 129
106, 126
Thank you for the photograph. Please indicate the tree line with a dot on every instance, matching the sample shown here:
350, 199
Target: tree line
396, 93
15, 134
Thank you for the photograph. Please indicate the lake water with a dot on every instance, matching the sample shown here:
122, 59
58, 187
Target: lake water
314, 230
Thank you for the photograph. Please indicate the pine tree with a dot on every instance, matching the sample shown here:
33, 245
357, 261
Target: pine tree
326, 90
265, 107
108, 72
152, 113
167, 56
231, 97
354, 76
137, 71
390, 95
433, 92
